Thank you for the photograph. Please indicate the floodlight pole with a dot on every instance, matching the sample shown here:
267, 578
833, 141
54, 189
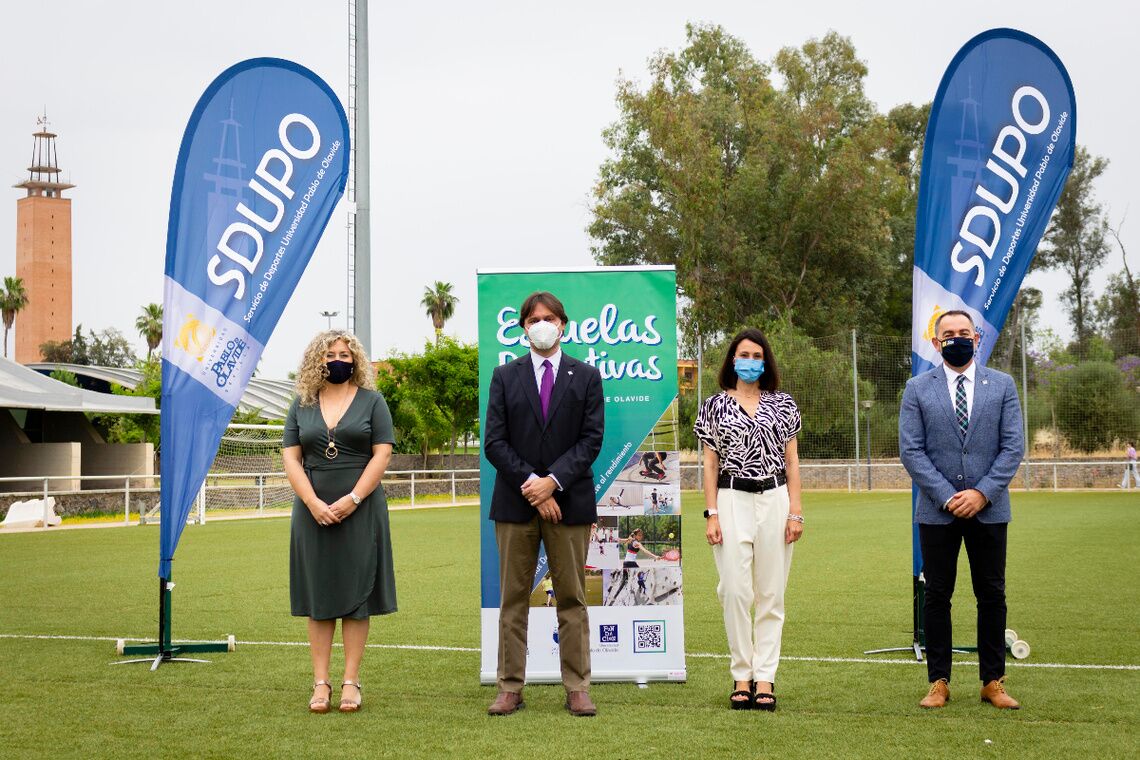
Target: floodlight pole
359, 190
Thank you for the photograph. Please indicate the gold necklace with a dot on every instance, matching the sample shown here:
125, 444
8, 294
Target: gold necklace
331, 451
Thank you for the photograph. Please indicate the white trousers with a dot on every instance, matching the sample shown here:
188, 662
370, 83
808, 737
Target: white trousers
753, 563
1130, 469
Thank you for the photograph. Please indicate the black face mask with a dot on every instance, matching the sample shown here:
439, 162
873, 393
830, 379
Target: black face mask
339, 372
957, 352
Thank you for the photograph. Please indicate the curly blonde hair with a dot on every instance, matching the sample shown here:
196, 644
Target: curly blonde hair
312, 374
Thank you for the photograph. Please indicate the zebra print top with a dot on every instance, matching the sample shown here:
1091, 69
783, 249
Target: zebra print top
749, 447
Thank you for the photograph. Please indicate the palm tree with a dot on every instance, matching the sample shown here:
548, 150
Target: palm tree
149, 325
440, 305
13, 298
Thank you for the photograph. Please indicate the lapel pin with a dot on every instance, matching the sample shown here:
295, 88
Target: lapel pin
569, 372
985, 382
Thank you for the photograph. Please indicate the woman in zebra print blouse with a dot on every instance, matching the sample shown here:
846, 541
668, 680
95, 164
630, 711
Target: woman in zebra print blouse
753, 515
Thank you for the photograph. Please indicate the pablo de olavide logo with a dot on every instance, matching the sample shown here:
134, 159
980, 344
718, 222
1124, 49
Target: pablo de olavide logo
194, 337
224, 366
608, 633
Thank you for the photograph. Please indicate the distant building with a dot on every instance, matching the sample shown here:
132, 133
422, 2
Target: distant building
43, 251
45, 432
686, 374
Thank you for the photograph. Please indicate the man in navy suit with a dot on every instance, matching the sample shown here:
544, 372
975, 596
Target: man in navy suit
960, 439
545, 420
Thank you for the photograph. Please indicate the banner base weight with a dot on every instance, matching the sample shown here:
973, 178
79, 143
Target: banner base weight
165, 650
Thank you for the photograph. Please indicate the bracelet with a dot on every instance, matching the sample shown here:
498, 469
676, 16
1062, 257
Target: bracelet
797, 518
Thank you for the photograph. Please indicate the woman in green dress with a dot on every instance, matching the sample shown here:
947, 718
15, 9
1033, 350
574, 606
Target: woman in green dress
338, 441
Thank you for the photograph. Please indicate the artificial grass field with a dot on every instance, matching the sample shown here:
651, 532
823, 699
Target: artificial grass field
1072, 585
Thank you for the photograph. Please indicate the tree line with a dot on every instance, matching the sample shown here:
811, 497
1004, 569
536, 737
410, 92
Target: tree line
786, 200
783, 195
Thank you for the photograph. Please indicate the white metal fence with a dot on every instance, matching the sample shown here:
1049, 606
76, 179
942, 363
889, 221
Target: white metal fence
255, 493
136, 497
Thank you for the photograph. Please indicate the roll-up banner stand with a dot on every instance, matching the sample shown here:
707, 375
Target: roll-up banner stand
623, 321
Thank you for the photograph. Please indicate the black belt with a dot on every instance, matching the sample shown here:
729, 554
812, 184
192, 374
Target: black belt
751, 485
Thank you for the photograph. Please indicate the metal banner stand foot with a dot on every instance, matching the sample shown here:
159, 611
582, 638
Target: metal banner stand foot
1014, 645
918, 643
164, 650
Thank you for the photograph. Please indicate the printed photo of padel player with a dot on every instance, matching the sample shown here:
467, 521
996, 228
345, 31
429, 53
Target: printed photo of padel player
649, 541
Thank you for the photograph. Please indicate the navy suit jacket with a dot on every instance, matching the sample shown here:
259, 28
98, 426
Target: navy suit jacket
517, 442
941, 461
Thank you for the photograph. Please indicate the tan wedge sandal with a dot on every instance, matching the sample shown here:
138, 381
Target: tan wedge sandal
318, 705
347, 705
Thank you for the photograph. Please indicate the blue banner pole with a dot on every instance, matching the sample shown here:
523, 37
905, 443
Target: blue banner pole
262, 165
999, 146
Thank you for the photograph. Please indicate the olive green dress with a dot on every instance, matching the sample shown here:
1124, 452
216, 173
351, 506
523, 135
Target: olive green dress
341, 570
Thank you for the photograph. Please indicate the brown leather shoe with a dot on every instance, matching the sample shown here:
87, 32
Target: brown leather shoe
579, 704
506, 703
994, 693
938, 695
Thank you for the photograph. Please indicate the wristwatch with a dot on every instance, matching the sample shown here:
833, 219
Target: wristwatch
710, 513
355, 499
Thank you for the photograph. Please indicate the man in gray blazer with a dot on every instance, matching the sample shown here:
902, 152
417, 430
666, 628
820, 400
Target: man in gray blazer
960, 439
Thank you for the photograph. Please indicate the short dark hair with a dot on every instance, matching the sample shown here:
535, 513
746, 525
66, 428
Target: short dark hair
547, 299
769, 379
953, 313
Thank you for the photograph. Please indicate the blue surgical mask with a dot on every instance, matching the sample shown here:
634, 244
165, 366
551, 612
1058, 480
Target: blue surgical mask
748, 370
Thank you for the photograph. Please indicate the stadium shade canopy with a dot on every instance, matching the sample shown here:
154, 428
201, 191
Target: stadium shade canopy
269, 398
23, 388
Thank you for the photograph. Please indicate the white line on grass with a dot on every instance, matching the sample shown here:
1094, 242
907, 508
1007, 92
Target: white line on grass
704, 655
912, 661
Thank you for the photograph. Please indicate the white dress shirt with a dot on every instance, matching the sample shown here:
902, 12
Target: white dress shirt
555, 361
537, 360
952, 376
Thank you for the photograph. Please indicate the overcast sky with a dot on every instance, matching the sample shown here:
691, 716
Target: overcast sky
486, 125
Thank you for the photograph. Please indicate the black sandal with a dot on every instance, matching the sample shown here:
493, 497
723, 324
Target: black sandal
741, 704
766, 706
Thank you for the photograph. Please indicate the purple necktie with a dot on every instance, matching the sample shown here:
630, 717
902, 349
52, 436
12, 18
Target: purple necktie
546, 386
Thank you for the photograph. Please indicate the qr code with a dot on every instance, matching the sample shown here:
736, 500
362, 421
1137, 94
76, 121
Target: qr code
649, 636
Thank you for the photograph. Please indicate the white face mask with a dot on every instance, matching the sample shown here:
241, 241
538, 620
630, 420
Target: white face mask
543, 335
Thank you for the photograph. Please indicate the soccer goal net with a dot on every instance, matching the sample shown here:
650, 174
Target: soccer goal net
248, 475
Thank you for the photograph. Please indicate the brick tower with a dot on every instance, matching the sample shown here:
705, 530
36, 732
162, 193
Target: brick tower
43, 251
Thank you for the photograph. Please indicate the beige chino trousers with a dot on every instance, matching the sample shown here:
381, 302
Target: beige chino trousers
753, 563
566, 547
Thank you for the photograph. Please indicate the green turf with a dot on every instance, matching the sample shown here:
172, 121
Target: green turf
1072, 587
